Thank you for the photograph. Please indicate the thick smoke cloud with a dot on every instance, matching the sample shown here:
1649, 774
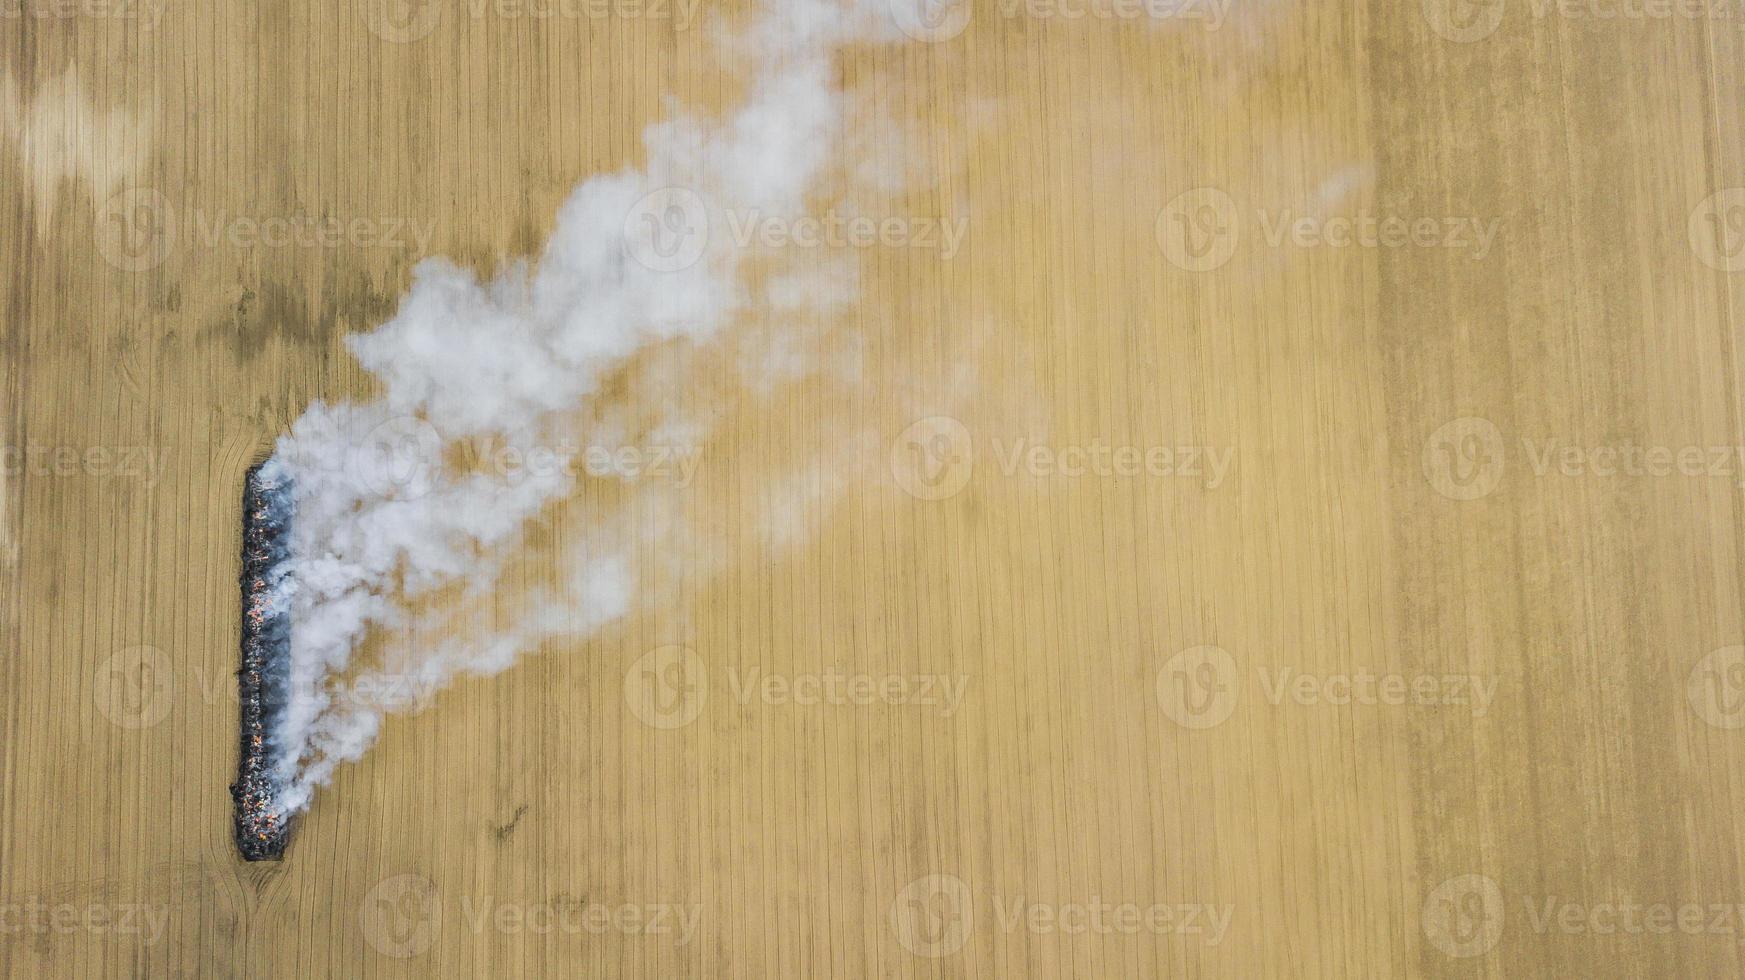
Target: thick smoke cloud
586, 345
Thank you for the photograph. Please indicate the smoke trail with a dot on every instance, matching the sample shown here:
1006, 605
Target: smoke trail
638, 272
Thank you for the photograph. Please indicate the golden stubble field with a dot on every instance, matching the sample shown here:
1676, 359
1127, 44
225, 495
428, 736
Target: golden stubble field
1318, 555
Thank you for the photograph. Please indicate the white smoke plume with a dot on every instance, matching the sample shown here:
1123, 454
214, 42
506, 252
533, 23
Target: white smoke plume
637, 277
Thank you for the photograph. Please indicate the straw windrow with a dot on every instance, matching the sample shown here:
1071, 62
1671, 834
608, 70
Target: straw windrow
262, 828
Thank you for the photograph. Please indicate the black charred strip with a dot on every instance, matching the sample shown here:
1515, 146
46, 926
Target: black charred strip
262, 830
